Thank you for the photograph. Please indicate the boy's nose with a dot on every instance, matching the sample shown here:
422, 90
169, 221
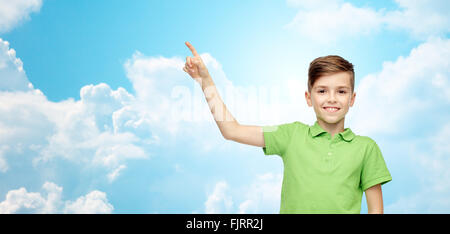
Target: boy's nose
332, 97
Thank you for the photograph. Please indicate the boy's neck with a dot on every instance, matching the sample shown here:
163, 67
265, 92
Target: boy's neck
332, 128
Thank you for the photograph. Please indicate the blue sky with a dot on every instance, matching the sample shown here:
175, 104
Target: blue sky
97, 124
95, 39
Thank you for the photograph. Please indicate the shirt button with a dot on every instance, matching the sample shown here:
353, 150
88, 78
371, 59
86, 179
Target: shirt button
329, 153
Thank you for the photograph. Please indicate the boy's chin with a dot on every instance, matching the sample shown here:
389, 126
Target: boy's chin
332, 120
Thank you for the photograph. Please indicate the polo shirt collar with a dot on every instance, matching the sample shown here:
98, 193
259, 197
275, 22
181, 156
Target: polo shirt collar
316, 130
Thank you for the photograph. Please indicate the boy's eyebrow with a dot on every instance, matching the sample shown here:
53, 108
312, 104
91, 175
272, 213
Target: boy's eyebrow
342, 86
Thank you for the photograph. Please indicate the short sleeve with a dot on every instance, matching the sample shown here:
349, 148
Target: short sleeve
374, 169
277, 138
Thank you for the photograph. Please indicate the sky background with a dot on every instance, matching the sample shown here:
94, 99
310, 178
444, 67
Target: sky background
97, 115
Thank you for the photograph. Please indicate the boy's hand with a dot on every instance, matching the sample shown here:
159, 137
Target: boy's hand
194, 65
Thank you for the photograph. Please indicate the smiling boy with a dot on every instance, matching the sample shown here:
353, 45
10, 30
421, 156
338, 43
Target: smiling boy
326, 166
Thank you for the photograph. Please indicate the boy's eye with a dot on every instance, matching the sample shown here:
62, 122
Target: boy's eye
323, 91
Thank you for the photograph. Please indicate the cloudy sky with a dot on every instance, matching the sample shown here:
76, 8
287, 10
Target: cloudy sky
97, 115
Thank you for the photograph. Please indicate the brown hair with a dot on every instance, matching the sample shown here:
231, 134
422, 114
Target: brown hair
329, 65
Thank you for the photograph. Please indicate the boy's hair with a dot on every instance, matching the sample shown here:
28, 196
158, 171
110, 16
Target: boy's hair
329, 65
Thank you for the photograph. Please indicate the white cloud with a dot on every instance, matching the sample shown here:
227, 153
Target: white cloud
421, 17
114, 174
3, 164
12, 75
13, 12
111, 100
79, 131
388, 101
85, 132
436, 161
332, 22
93, 202
50, 201
23, 123
327, 20
263, 195
219, 201
20, 200
432, 160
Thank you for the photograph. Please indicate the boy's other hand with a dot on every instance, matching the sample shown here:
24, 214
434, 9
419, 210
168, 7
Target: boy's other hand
194, 65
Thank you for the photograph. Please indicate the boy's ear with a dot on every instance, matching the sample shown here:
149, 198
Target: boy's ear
352, 99
308, 98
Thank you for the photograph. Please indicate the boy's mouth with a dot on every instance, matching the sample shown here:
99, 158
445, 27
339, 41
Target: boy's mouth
331, 109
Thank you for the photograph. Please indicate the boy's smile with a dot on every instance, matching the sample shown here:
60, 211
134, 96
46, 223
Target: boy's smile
331, 109
331, 97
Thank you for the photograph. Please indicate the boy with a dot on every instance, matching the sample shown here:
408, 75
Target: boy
326, 167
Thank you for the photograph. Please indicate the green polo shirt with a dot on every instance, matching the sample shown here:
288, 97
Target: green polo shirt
324, 174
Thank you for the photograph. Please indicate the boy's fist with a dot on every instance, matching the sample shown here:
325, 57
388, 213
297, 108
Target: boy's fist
194, 65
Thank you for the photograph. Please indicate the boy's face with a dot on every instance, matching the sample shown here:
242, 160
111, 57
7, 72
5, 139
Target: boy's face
331, 96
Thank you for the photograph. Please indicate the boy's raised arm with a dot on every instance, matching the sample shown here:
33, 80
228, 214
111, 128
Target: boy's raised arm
228, 126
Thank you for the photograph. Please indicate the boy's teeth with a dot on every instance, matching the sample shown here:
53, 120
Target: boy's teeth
331, 108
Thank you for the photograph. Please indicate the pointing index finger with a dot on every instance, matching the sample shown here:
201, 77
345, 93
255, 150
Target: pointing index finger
194, 52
